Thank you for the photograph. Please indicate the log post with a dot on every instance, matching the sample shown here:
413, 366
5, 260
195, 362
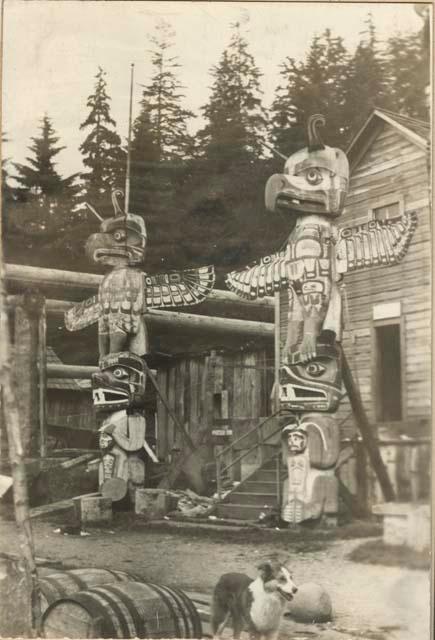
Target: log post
277, 348
31, 611
366, 431
29, 369
42, 381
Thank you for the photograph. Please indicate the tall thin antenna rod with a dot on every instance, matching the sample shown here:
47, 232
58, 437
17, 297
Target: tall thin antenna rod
127, 177
277, 153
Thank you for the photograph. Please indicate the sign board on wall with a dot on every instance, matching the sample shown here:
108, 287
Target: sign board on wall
386, 310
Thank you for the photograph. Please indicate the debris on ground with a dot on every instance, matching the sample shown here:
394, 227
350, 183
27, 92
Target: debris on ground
191, 504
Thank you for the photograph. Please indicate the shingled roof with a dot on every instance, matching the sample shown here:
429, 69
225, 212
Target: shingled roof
420, 127
417, 131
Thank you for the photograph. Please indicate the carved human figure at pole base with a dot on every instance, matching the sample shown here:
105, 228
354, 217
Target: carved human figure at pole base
308, 269
310, 451
126, 292
118, 391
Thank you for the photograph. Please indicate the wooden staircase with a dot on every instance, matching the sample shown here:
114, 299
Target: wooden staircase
259, 490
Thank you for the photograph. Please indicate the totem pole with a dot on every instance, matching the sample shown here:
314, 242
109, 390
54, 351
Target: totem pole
317, 254
124, 295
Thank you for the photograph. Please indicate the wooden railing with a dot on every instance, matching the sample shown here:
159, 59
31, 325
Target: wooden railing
262, 443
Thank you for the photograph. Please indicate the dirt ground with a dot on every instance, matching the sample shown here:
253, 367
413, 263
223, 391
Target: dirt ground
369, 602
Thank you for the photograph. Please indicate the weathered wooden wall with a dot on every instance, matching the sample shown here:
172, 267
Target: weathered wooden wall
392, 167
205, 390
71, 408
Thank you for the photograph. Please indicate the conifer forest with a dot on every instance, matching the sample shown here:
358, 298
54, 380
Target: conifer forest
206, 182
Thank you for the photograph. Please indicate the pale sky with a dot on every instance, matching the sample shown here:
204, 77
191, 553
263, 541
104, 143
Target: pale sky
52, 50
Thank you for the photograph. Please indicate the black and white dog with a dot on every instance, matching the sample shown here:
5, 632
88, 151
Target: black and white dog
256, 606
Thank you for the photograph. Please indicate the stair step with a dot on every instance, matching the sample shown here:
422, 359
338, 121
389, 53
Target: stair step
245, 498
238, 511
260, 486
264, 474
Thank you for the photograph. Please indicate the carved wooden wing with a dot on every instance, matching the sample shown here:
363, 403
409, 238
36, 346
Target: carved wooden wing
375, 243
178, 288
83, 314
263, 278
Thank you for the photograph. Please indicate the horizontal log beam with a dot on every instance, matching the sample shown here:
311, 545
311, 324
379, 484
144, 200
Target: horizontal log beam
76, 371
181, 320
26, 275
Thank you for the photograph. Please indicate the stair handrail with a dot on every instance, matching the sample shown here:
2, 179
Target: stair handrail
220, 468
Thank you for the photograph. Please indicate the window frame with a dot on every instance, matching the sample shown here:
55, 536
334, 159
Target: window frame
388, 201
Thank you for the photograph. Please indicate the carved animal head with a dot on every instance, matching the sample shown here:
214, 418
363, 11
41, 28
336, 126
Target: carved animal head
315, 179
120, 383
313, 385
121, 240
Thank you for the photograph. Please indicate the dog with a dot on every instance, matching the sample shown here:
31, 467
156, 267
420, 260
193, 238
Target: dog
256, 606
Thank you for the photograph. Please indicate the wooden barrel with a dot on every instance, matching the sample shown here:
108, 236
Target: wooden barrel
123, 610
60, 584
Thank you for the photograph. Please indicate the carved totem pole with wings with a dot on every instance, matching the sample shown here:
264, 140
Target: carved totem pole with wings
316, 255
124, 295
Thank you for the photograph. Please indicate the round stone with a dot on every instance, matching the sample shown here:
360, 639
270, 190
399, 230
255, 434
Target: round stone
114, 488
311, 603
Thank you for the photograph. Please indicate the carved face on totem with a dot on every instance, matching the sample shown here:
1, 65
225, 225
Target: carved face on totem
313, 385
121, 240
315, 179
120, 383
294, 436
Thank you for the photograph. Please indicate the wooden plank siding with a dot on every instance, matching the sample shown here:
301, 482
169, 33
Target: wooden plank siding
204, 390
391, 168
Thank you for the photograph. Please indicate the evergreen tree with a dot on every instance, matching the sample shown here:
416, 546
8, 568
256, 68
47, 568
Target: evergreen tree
48, 198
315, 85
42, 213
368, 85
8, 192
408, 65
160, 138
236, 120
101, 149
163, 120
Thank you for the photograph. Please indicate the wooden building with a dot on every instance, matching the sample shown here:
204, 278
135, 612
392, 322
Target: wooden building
217, 395
388, 309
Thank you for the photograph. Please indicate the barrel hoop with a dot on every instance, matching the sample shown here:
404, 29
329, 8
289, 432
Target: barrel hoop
195, 618
167, 601
138, 621
51, 589
82, 584
110, 627
180, 604
121, 576
127, 629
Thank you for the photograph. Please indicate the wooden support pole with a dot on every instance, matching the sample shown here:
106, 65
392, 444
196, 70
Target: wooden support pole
26, 276
366, 431
31, 613
42, 382
28, 366
277, 349
81, 372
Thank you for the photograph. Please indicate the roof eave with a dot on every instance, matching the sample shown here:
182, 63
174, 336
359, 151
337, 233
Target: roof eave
352, 151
